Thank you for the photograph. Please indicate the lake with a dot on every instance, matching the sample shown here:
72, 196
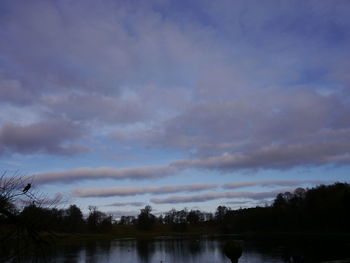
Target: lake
178, 250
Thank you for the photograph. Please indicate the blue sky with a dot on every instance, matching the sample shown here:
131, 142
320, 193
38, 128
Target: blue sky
174, 103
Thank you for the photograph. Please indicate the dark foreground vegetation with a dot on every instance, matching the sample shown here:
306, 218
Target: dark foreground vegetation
321, 210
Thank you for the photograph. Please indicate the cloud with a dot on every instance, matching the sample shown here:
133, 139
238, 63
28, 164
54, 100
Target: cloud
137, 204
233, 86
50, 137
92, 107
239, 202
126, 65
123, 44
12, 91
240, 132
276, 157
272, 183
131, 191
214, 196
87, 173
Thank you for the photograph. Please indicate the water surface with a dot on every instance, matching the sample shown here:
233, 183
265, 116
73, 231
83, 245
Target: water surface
161, 250
176, 250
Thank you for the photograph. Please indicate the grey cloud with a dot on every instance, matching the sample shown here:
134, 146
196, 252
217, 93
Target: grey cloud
52, 137
131, 191
215, 195
91, 107
54, 48
137, 204
86, 173
12, 91
276, 157
260, 103
279, 18
275, 120
272, 183
290, 128
246, 202
76, 46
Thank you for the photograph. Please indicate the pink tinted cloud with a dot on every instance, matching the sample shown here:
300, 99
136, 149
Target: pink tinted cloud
132, 191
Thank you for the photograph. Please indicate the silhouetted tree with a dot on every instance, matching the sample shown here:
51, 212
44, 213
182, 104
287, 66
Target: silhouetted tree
98, 221
24, 226
323, 208
169, 217
194, 217
145, 219
220, 213
74, 219
127, 220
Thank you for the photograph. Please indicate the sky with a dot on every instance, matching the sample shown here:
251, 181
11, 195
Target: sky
174, 104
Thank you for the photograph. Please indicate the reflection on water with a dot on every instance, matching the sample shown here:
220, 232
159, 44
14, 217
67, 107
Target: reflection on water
192, 250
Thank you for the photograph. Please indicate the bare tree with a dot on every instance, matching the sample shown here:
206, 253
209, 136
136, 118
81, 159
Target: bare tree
11, 191
20, 235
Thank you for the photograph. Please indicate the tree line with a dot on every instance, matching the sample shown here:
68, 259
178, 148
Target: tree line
323, 208
319, 209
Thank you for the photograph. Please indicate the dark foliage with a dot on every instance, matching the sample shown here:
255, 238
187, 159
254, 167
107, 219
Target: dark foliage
127, 220
73, 219
98, 222
324, 208
145, 219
